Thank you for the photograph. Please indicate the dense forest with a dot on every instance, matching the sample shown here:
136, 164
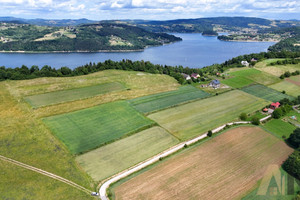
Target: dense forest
24, 72
88, 37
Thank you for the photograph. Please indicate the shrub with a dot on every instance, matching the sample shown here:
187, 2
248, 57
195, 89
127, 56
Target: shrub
255, 121
243, 116
209, 134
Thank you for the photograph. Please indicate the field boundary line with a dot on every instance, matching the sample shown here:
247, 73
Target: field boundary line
45, 173
106, 183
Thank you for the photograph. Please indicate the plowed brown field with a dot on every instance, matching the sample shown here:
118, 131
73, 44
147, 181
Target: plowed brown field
223, 168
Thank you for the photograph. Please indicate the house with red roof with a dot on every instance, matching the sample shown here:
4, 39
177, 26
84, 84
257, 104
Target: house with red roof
274, 105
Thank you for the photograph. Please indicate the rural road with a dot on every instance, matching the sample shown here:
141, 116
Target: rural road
115, 178
61, 179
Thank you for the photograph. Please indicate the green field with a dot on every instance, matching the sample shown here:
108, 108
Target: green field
71, 95
276, 70
243, 77
160, 101
90, 128
192, 119
264, 92
290, 88
120, 155
279, 128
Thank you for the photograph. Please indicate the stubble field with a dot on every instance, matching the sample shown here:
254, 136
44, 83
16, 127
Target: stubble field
225, 167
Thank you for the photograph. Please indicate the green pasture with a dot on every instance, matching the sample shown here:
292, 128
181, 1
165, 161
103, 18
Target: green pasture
73, 94
163, 100
90, 128
290, 88
193, 119
122, 154
276, 70
279, 128
244, 77
265, 92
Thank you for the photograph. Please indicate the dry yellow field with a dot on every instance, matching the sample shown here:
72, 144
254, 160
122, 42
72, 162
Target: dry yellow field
225, 167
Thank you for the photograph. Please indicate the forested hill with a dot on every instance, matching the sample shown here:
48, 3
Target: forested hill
292, 43
87, 37
219, 24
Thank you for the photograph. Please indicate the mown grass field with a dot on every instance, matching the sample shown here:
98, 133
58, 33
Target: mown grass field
50, 98
294, 79
164, 100
275, 70
279, 128
204, 171
245, 76
25, 138
192, 119
264, 92
290, 88
90, 128
138, 84
120, 155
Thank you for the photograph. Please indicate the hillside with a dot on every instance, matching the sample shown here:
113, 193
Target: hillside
220, 24
88, 37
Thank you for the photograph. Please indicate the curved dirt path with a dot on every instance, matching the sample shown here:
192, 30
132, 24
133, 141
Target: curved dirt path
45, 173
117, 177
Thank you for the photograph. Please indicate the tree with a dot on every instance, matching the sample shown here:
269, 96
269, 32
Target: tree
277, 113
209, 133
255, 121
243, 116
292, 164
294, 138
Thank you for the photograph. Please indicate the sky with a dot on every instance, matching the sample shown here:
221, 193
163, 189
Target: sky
149, 9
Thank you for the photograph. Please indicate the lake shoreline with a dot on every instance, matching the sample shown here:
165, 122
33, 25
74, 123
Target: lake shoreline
79, 51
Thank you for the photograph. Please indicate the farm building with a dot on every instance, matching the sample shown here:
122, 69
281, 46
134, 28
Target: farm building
214, 83
245, 63
186, 76
274, 105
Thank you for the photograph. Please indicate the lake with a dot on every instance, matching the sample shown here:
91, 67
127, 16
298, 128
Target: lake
194, 51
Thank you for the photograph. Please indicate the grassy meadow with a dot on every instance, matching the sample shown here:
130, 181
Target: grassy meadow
50, 98
250, 151
290, 88
122, 154
279, 128
137, 84
164, 100
246, 76
90, 128
25, 138
276, 70
264, 92
192, 119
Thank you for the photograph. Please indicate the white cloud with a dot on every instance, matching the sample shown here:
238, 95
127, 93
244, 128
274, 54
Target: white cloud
148, 9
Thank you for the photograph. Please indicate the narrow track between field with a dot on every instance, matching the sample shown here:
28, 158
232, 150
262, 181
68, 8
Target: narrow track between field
45, 173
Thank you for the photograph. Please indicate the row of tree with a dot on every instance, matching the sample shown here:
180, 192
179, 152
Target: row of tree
24, 72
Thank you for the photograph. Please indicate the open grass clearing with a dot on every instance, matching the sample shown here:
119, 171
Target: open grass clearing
26, 139
276, 70
294, 79
164, 100
203, 172
73, 94
20, 183
290, 88
137, 85
120, 155
279, 128
192, 119
264, 92
245, 76
90, 128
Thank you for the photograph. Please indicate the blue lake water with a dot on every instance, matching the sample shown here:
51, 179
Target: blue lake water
194, 51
